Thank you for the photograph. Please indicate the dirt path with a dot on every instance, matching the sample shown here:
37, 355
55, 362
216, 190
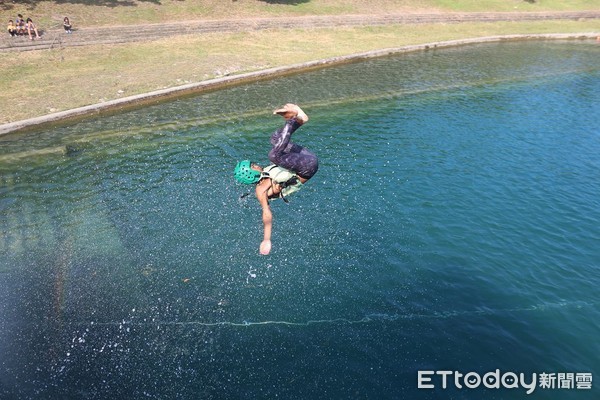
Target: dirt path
123, 34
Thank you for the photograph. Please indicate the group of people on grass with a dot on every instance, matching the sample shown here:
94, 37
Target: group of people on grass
21, 26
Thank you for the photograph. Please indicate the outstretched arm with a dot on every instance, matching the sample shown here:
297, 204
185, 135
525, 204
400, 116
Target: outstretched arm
267, 215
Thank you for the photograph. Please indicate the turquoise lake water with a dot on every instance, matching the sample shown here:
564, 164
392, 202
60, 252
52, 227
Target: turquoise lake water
454, 225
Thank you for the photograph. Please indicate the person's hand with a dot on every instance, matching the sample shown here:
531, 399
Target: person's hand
265, 247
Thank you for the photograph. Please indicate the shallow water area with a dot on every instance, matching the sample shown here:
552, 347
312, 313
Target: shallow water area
453, 225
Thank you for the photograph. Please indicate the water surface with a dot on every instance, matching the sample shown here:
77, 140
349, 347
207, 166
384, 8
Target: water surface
453, 225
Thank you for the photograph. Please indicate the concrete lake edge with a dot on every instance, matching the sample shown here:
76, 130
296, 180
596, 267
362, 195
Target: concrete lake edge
157, 96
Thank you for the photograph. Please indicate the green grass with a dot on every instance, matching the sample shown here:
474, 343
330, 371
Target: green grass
516, 5
49, 13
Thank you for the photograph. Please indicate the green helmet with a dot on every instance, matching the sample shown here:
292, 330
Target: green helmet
244, 173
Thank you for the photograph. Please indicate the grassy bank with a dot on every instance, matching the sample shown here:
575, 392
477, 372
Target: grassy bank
49, 13
48, 81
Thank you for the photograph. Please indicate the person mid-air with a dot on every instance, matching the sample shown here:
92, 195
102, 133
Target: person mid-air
293, 165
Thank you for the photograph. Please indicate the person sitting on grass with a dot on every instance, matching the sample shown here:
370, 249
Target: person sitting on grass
12, 29
20, 24
67, 25
31, 27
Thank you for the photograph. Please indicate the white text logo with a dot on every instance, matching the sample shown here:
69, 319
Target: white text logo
508, 380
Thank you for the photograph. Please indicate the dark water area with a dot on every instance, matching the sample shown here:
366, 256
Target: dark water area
453, 225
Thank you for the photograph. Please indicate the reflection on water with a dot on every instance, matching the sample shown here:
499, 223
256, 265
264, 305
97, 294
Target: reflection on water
453, 222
